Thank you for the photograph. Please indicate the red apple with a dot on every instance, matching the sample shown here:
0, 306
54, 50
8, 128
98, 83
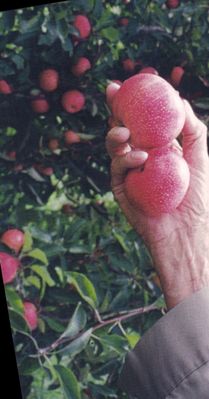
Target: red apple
18, 167
67, 209
53, 144
176, 75
5, 88
83, 64
40, 105
150, 108
30, 315
73, 101
160, 185
172, 3
13, 238
82, 24
9, 266
128, 65
47, 171
123, 21
12, 155
71, 137
49, 80
149, 70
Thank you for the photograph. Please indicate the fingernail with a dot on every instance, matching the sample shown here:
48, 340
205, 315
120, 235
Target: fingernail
141, 155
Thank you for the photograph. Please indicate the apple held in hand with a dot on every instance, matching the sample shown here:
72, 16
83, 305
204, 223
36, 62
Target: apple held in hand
150, 108
9, 266
160, 185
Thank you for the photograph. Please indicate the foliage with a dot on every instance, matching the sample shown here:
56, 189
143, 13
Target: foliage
83, 267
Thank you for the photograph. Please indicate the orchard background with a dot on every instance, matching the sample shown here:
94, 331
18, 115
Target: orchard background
82, 266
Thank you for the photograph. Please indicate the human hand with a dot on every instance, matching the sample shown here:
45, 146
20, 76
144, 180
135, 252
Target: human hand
177, 241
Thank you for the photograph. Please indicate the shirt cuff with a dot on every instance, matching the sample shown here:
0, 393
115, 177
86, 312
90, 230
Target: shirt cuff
176, 346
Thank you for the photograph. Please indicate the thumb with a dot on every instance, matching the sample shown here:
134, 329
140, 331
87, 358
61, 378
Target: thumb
111, 90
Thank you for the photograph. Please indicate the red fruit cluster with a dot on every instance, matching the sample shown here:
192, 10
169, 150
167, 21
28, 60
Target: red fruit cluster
154, 113
73, 100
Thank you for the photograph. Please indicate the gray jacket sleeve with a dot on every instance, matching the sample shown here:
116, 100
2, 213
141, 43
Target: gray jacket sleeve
171, 360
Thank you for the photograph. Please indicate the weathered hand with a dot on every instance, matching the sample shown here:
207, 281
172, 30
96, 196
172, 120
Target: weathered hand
178, 241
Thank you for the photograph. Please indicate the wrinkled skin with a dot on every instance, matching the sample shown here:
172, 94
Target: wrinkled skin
178, 241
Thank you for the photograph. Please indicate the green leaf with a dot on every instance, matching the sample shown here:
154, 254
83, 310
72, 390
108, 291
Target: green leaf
38, 254
121, 241
33, 280
17, 321
28, 366
68, 383
54, 325
77, 345
44, 274
14, 299
84, 287
133, 338
28, 242
77, 322
203, 103
111, 34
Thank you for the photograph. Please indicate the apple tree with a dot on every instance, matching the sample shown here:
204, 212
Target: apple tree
82, 290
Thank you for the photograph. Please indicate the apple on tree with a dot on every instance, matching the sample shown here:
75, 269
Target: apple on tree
82, 65
40, 105
83, 26
30, 315
49, 80
128, 65
176, 75
71, 137
73, 101
9, 267
53, 144
172, 3
5, 87
13, 239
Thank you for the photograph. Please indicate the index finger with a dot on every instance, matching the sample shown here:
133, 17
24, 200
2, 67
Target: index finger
117, 141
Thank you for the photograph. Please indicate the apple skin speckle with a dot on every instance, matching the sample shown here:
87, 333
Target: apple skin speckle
150, 108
